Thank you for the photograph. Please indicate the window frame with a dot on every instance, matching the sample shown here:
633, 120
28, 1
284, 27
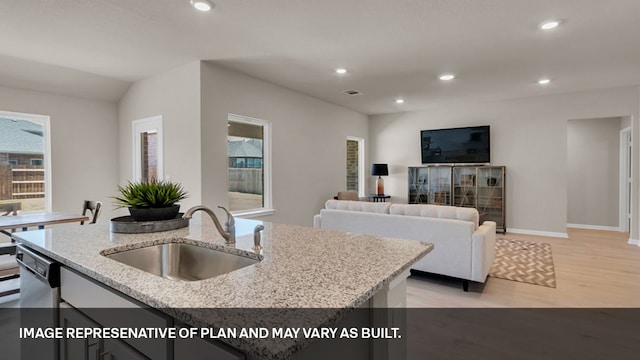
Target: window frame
267, 207
45, 121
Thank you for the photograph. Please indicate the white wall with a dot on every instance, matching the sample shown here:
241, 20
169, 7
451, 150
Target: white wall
308, 135
84, 145
593, 164
528, 135
175, 95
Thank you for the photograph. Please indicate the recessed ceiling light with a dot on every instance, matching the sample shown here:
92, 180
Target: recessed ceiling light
341, 71
544, 81
202, 5
399, 101
447, 77
549, 24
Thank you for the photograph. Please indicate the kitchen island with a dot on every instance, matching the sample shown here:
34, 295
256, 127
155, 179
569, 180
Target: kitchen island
299, 268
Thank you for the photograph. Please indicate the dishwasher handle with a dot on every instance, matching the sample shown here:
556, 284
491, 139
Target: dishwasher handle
25, 266
45, 269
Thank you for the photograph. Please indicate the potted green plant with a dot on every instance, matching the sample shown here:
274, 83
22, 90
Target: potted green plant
151, 200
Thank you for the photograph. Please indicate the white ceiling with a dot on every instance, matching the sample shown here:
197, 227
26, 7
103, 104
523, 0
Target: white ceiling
392, 48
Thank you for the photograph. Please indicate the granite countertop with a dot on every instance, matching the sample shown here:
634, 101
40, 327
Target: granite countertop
302, 267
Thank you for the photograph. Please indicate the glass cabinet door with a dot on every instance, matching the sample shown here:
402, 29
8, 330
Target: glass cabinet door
418, 185
464, 186
491, 194
440, 185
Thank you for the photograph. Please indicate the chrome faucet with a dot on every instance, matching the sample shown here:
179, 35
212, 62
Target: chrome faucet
229, 230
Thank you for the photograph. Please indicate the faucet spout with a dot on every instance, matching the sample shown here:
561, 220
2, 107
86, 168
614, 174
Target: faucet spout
228, 232
256, 238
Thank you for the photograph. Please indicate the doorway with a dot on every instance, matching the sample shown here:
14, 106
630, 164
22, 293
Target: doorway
597, 177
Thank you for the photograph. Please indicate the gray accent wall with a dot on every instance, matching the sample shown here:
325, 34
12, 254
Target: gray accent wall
528, 136
593, 169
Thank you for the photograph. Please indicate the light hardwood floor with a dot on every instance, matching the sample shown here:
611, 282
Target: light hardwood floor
593, 269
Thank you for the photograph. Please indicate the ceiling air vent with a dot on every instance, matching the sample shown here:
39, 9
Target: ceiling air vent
352, 92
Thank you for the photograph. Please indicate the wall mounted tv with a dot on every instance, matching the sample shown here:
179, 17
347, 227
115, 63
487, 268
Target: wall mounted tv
469, 145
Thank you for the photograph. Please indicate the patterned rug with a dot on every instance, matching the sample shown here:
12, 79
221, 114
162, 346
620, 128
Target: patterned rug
524, 261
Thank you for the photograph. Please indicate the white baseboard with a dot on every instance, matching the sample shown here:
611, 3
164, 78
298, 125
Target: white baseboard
633, 242
539, 233
594, 227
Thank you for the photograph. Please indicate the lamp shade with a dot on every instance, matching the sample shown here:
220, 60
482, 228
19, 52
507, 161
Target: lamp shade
379, 169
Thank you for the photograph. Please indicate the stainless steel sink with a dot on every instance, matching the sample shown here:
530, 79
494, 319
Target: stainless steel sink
182, 261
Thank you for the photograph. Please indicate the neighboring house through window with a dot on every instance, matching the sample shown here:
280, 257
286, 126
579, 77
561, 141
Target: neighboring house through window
249, 165
25, 174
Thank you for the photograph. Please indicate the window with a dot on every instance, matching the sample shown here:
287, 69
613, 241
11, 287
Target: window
148, 149
355, 164
248, 148
25, 158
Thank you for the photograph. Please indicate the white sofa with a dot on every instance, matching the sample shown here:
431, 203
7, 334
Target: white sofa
462, 248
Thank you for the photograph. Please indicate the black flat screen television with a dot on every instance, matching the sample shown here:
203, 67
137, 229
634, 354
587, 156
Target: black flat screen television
469, 145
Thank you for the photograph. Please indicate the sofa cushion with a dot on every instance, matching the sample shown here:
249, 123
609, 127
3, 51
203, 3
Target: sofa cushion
362, 206
437, 211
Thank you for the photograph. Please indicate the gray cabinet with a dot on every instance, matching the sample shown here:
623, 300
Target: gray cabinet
77, 349
480, 187
88, 304
108, 308
91, 348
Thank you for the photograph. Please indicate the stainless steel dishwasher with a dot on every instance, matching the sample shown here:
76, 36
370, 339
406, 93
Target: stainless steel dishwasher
39, 301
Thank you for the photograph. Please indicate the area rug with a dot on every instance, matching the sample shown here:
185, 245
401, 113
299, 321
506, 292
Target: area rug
524, 261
